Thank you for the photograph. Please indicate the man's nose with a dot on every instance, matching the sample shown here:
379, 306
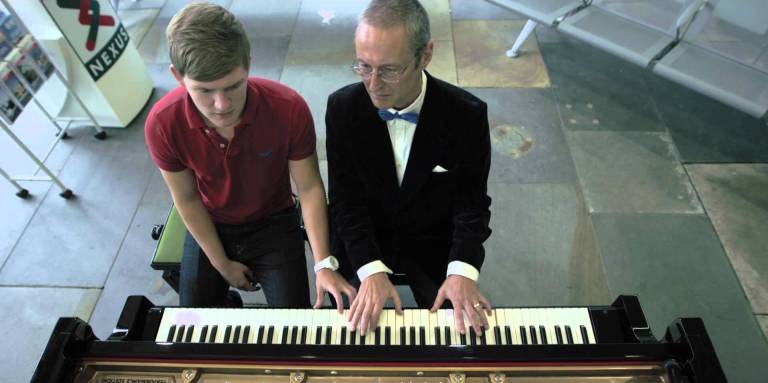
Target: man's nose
221, 101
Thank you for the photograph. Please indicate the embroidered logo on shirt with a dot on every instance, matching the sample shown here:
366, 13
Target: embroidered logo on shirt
265, 154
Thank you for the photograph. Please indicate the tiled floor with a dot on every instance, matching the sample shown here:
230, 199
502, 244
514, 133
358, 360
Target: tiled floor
605, 180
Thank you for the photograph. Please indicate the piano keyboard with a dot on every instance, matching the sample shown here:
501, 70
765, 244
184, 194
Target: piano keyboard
416, 327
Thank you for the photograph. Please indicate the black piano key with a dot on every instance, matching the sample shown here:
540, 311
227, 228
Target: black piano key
303, 338
437, 337
422, 335
236, 335
534, 338
447, 339
387, 336
214, 330
568, 334
343, 336
463, 338
227, 333
377, 336
203, 334
483, 339
285, 335
294, 334
190, 330
328, 332
497, 334
412, 334
523, 335
584, 334
559, 335
472, 336
260, 334
508, 335
246, 333
171, 333
180, 333
270, 334
402, 336
353, 337
362, 338
543, 334
319, 335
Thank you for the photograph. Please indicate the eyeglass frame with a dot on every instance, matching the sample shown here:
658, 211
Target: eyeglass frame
398, 72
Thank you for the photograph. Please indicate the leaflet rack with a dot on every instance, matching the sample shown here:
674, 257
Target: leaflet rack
24, 69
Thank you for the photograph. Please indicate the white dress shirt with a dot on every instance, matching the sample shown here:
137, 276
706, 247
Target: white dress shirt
401, 135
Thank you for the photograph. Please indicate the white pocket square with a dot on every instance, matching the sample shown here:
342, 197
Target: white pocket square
439, 169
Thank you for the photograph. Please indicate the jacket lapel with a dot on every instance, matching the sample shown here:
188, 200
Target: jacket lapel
428, 143
375, 146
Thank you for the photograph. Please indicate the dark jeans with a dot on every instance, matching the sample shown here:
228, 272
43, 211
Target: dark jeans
272, 248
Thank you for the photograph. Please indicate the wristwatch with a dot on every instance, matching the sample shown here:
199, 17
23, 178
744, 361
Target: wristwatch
330, 262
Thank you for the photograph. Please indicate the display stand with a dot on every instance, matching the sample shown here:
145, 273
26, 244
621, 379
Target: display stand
24, 70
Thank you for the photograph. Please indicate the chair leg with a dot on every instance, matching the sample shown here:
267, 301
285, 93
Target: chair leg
527, 29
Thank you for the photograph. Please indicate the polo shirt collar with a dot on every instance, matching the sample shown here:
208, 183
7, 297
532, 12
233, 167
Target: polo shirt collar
252, 101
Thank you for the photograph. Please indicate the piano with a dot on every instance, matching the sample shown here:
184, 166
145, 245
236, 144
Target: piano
525, 344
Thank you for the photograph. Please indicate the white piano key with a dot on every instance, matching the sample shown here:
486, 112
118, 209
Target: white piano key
490, 336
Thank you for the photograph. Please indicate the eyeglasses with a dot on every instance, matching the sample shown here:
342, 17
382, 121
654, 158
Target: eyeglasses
386, 74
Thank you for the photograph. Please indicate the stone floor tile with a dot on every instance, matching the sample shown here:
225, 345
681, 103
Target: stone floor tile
735, 198
480, 10
28, 325
631, 173
542, 250
705, 130
137, 22
598, 91
677, 267
443, 64
439, 12
268, 18
315, 83
528, 143
481, 59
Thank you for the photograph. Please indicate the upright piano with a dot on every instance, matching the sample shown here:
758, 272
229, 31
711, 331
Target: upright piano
598, 344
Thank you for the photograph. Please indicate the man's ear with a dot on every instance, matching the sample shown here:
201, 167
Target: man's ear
426, 56
176, 74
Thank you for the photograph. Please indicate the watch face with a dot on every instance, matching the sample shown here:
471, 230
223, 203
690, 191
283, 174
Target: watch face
333, 262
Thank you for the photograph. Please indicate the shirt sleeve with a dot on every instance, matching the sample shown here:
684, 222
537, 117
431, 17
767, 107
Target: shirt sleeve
159, 146
303, 140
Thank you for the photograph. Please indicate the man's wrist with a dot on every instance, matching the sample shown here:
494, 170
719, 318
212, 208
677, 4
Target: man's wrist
330, 262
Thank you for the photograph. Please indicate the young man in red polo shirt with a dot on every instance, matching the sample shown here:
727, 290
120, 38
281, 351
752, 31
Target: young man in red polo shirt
226, 145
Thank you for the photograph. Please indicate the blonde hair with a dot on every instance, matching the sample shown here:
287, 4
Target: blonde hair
207, 42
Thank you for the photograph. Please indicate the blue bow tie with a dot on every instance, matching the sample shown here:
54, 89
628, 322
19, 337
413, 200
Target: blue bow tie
388, 116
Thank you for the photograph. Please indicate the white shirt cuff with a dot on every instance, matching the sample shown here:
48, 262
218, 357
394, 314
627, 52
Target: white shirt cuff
464, 269
371, 268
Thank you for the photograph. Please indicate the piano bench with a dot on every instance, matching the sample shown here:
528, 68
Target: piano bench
170, 247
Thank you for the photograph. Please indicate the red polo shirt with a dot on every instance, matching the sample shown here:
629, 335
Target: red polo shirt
247, 178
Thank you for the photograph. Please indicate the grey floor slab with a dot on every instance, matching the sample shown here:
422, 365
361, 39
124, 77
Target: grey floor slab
597, 91
66, 237
630, 172
27, 326
677, 267
527, 140
17, 213
315, 83
324, 33
480, 10
266, 18
763, 319
736, 200
131, 273
706, 131
542, 250
439, 12
268, 56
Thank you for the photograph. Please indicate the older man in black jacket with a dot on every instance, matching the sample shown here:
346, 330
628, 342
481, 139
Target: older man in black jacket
408, 159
